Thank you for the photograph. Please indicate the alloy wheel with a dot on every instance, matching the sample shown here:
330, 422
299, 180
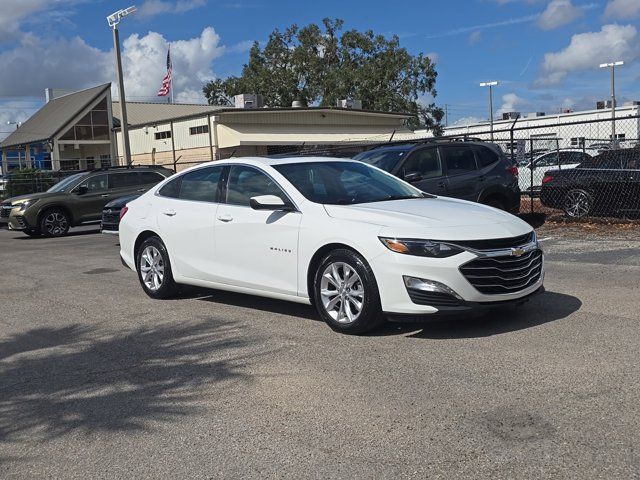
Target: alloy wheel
152, 268
577, 203
342, 292
56, 223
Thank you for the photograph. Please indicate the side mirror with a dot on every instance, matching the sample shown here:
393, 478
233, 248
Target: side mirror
412, 177
268, 202
82, 189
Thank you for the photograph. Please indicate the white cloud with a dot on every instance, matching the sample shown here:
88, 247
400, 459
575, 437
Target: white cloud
14, 111
475, 37
144, 63
14, 12
558, 13
461, 122
72, 64
151, 8
510, 103
623, 9
587, 50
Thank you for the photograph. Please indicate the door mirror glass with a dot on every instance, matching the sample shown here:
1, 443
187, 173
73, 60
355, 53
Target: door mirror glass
267, 202
412, 176
82, 189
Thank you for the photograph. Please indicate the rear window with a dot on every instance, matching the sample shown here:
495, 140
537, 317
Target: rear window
171, 189
150, 177
486, 156
385, 159
459, 159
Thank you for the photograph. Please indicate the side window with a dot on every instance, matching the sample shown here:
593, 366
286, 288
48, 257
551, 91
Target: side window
570, 158
145, 178
459, 159
426, 162
246, 182
97, 183
547, 160
123, 179
171, 189
201, 185
486, 156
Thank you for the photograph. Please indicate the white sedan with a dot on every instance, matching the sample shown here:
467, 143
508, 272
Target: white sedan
356, 242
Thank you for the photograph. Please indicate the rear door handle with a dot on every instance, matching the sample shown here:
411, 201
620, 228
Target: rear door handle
104, 195
225, 218
141, 190
169, 213
442, 184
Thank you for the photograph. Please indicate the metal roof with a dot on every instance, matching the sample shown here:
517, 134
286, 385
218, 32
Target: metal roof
53, 116
141, 113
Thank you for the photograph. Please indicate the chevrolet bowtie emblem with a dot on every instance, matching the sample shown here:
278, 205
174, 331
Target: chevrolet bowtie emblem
517, 252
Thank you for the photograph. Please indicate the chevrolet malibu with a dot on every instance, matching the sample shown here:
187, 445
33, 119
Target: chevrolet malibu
356, 242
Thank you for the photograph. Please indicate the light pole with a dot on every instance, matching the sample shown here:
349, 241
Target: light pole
612, 66
113, 20
17, 124
490, 85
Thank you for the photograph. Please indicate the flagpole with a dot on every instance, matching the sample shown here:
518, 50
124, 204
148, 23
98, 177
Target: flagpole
171, 76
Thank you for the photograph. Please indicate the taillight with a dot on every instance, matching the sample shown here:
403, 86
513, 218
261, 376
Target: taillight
124, 210
513, 170
547, 178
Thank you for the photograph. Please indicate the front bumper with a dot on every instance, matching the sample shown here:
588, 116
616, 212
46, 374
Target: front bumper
391, 268
18, 222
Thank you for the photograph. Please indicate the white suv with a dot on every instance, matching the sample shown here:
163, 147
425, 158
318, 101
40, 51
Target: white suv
353, 240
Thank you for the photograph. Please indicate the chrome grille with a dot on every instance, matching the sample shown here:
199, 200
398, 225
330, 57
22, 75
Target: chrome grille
505, 274
5, 210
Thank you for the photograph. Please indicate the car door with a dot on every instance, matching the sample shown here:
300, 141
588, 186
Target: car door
89, 197
186, 211
256, 248
462, 173
423, 169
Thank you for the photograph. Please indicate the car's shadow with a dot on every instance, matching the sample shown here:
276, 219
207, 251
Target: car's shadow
72, 233
545, 308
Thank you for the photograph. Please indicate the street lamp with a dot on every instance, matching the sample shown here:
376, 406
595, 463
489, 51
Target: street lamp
612, 66
17, 124
490, 85
113, 20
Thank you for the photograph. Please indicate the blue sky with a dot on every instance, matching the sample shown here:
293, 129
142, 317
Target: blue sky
544, 52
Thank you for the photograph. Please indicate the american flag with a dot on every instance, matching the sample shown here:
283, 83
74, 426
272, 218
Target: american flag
166, 81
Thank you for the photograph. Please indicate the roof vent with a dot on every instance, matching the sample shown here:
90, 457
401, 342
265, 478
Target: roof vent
297, 104
349, 103
248, 100
510, 115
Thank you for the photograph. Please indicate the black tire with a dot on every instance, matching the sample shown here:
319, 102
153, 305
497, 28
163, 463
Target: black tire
577, 203
494, 202
33, 233
167, 288
370, 314
54, 222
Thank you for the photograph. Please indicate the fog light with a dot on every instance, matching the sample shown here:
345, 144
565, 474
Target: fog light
428, 286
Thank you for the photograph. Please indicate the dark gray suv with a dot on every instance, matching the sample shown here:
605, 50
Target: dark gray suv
470, 170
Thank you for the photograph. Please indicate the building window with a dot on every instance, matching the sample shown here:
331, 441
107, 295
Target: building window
93, 126
105, 161
199, 129
578, 142
163, 135
91, 163
620, 137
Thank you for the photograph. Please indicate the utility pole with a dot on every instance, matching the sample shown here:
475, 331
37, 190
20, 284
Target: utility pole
490, 85
113, 20
612, 66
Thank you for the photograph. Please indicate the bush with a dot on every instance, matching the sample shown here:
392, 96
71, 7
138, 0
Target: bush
28, 180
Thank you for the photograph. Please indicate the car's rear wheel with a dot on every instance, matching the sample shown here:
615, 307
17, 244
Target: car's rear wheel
54, 223
154, 269
346, 293
577, 203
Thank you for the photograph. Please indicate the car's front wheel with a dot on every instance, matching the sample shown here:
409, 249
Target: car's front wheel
54, 223
346, 293
154, 269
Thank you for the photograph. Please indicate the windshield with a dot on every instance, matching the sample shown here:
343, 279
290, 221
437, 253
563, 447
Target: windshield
345, 183
386, 159
64, 185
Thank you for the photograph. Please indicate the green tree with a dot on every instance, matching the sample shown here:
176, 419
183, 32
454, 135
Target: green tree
321, 64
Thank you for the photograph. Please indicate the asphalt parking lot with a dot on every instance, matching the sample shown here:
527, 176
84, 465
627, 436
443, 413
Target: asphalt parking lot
99, 381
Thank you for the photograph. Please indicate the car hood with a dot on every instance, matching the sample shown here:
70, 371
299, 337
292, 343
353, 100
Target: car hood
443, 217
31, 196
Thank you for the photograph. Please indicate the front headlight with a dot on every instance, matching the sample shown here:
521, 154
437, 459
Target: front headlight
23, 206
421, 248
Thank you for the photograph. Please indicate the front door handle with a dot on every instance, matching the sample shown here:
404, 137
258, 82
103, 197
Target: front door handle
225, 218
141, 190
441, 185
169, 213
104, 195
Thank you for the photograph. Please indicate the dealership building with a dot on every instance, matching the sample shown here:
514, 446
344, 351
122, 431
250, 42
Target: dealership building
82, 130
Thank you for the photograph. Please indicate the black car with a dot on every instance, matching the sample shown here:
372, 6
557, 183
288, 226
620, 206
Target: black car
470, 170
110, 222
607, 184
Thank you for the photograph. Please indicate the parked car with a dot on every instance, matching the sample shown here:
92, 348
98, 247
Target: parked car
531, 175
355, 241
606, 184
111, 214
470, 170
3, 184
77, 199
